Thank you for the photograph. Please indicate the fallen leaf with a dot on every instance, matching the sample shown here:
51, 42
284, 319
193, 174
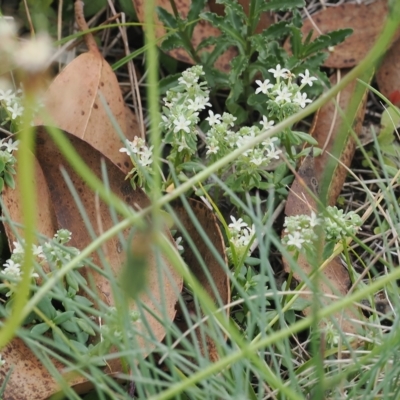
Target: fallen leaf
201, 31
215, 276
366, 20
46, 223
75, 102
388, 74
37, 382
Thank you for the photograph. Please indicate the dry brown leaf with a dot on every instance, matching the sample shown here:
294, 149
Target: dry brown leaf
367, 21
46, 223
31, 381
219, 277
266, 18
75, 101
202, 31
326, 126
388, 74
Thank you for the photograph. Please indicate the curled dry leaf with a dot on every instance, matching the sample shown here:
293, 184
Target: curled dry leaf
35, 382
388, 74
214, 273
366, 20
201, 31
326, 127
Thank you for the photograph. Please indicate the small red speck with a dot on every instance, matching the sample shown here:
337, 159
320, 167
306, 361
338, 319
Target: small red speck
394, 97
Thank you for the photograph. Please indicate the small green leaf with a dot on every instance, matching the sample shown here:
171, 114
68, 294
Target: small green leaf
324, 41
71, 325
9, 180
166, 18
62, 317
281, 5
305, 137
47, 308
83, 301
40, 329
72, 281
84, 325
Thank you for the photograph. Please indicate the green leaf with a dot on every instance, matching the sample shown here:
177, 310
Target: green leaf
324, 41
83, 301
62, 317
71, 325
221, 23
1, 184
239, 65
305, 137
390, 120
192, 166
40, 329
72, 281
295, 42
166, 18
84, 325
276, 31
47, 308
172, 41
9, 180
195, 8
281, 5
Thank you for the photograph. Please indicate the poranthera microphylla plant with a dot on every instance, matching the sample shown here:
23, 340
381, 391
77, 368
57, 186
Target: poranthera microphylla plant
252, 169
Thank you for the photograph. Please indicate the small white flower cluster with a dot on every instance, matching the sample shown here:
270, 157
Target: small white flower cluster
11, 101
300, 230
241, 235
337, 225
2, 361
12, 267
285, 93
50, 252
222, 140
331, 334
31, 55
181, 112
138, 147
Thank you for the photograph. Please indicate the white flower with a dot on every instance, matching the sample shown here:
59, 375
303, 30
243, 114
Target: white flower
134, 146
16, 110
33, 54
18, 248
257, 160
267, 124
264, 86
181, 124
10, 145
38, 251
197, 104
178, 241
283, 95
2, 361
146, 156
279, 72
301, 99
307, 79
212, 149
295, 240
213, 119
12, 269
272, 152
314, 220
8, 96
237, 224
